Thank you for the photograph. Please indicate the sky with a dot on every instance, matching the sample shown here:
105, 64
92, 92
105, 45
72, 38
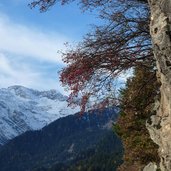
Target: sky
30, 42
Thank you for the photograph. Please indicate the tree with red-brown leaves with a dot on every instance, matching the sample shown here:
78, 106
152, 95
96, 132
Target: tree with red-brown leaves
123, 42
133, 31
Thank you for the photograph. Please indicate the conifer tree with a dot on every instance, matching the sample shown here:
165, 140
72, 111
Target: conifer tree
137, 105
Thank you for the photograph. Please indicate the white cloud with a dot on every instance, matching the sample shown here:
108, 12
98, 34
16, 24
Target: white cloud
28, 56
29, 41
14, 73
9, 73
125, 75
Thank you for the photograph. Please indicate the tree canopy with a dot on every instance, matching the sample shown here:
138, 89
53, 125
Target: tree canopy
137, 106
123, 42
46, 4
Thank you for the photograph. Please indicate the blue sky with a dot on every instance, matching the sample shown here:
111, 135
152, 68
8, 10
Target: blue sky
30, 41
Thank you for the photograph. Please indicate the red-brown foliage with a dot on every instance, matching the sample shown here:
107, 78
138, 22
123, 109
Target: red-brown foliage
122, 42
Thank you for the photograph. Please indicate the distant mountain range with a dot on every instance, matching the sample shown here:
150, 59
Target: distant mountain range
75, 142
23, 109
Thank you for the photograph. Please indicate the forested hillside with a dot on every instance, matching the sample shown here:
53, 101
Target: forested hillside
105, 156
74, 141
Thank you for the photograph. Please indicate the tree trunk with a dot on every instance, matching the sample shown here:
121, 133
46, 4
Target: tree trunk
160, 126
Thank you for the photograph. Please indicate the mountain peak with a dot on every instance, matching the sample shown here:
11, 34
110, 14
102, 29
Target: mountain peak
25, 92
25, 109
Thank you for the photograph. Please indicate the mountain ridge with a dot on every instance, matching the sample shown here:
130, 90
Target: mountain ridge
23, 109
65, 140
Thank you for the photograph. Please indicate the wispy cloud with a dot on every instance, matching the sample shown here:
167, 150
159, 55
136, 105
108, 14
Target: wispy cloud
17, 72
30, 41
28, 55
11, 74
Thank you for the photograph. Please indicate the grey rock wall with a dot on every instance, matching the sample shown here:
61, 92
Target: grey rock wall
160, 125
150, 167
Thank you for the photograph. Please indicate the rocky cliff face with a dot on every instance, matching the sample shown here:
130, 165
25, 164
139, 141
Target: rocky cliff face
160, 126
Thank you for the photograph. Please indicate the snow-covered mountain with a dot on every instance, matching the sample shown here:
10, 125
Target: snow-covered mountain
23, 109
